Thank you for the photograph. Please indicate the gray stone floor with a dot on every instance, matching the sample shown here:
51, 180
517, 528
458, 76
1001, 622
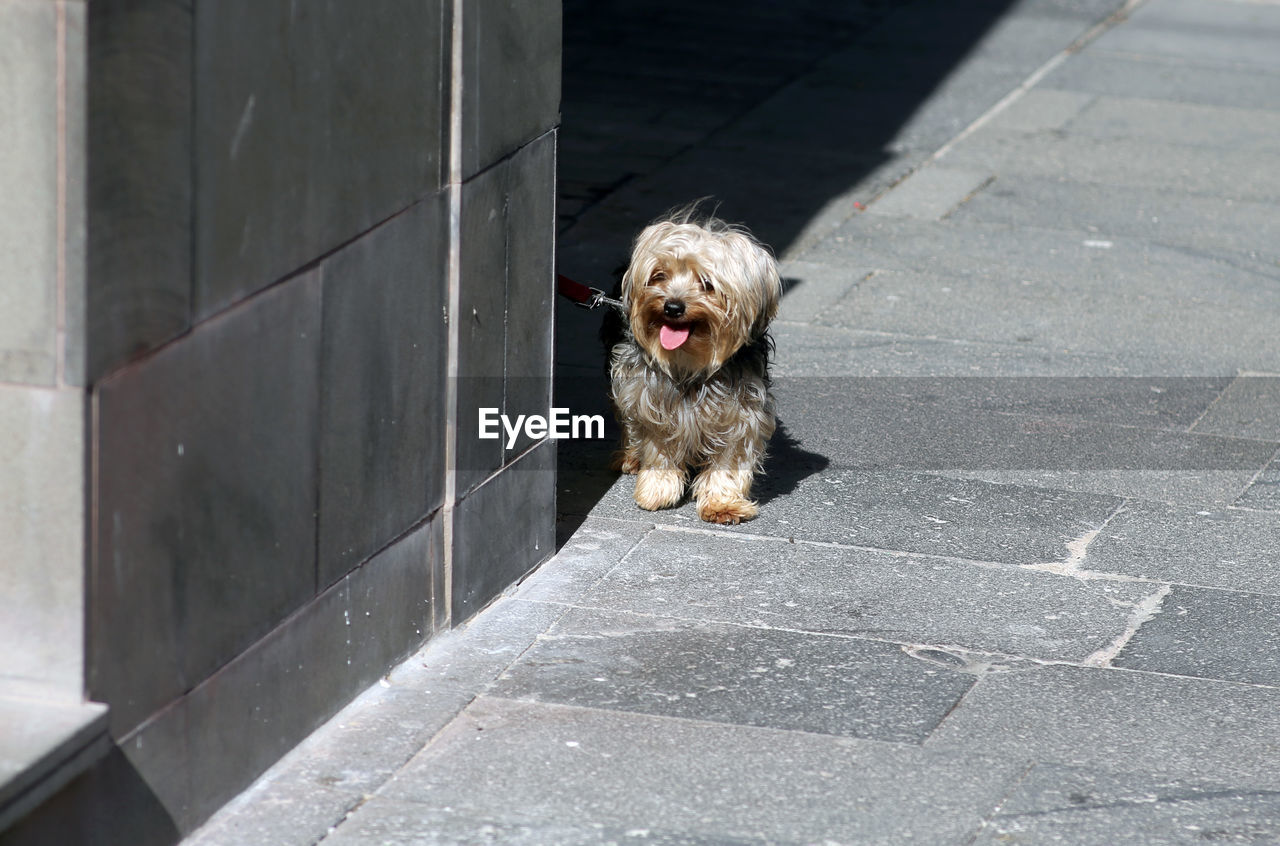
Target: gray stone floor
1015, 576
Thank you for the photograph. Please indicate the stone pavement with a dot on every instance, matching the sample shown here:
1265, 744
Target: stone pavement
1015, 577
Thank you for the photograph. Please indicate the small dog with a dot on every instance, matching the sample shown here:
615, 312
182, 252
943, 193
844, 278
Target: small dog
689, 364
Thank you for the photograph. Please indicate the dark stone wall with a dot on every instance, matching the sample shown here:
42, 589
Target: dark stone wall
278, 229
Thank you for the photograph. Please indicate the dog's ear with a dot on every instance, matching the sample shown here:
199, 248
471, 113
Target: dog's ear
771, 285
763, 291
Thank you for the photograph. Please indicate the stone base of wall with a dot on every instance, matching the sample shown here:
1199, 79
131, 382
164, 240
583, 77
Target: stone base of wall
174, 771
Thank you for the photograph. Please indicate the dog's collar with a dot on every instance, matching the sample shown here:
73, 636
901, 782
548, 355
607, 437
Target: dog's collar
589, 298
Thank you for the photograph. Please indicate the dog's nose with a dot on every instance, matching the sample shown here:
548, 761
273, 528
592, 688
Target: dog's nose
673, 309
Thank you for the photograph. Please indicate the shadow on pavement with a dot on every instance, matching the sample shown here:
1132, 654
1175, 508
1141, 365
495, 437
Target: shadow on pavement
786, 113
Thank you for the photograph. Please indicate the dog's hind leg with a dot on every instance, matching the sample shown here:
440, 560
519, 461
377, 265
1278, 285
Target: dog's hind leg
626, 458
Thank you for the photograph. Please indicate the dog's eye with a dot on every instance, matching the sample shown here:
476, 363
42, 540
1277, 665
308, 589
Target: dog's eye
706, 283
657, 278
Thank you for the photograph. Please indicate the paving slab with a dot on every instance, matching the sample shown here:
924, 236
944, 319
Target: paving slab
292, 815
524, 764
1223, 33
1187, 124
1248, 408
1070, 256
911, 512
1040, 110
391, 823
809, 288
888, 430
1173, 403
472, 655
957, 424
736, 674
1032, 432
1226, 548
593, 547
1228, 229
816, 350
988, 282
1263, 491
1210, 634
1200, 171
1248, 19
713, 577
1075, 805
1017, 304
1160, 726
957, 101
1169, 78
1200, 487
931, 193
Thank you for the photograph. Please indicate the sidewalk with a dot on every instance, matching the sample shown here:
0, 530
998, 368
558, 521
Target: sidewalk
1015, 576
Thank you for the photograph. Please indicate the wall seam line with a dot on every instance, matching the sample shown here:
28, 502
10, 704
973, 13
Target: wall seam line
455, 304
60, 202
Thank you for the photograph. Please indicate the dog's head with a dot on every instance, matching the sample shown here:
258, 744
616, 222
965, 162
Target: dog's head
696, 292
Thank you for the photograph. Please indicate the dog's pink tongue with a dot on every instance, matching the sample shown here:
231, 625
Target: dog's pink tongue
671, 337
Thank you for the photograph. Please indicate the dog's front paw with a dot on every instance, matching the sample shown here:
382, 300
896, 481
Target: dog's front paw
729, 512
657, 488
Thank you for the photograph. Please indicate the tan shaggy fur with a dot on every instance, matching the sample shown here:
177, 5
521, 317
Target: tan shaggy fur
689, 370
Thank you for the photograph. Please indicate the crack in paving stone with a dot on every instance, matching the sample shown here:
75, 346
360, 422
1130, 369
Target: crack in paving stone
1079, 548
958, 657
1078, 551
975, 192
1145, 610
966, 661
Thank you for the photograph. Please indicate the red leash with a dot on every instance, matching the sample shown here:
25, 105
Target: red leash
583, 295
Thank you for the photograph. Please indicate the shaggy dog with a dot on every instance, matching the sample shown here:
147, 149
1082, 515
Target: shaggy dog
689, 364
